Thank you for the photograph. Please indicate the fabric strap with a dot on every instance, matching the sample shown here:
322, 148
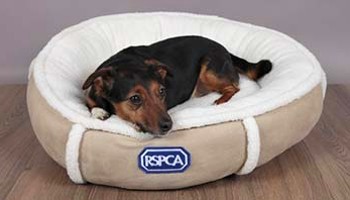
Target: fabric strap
253, 146
72, 153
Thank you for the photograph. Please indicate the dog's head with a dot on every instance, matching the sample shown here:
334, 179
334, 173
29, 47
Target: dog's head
137, 93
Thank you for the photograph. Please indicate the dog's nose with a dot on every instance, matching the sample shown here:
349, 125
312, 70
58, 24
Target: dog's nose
165, 125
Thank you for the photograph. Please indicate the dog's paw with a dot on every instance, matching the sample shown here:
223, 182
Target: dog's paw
219, 101
99, 113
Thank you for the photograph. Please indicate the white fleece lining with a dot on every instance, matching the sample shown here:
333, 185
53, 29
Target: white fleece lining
253, 146
72, 153
61, 66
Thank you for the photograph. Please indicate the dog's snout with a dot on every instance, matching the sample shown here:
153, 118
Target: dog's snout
165, 125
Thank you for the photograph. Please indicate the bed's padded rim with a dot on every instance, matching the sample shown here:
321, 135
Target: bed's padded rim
283, 127
217, 150
43, 68
49, 126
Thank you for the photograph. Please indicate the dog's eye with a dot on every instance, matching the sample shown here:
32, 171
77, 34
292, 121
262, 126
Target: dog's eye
162, 91
136, 99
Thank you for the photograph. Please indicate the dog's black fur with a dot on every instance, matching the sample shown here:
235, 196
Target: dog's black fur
183, 66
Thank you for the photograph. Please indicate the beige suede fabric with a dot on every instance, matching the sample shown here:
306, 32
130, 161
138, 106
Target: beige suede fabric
112, 159
287, 125
216, 150
50, 127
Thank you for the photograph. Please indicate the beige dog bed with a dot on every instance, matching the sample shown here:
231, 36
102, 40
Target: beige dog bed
208, 142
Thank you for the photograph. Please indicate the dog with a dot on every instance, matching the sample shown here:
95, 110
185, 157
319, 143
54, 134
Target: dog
140, 83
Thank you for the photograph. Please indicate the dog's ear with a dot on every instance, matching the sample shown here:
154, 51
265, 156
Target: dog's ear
102, 79
162, 69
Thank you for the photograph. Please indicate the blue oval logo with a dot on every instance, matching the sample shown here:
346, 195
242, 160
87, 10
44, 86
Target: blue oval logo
164, 159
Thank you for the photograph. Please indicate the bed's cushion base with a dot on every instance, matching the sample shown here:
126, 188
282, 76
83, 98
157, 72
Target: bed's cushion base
217, 150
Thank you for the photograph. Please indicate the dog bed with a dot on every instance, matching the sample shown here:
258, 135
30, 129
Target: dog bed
208, 142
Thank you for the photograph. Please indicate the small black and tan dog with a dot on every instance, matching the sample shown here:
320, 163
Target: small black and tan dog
141, 83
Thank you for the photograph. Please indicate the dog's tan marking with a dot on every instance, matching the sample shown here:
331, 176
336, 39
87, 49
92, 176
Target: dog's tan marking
149, 113
252, 74
199, 90
208, 82
227, 93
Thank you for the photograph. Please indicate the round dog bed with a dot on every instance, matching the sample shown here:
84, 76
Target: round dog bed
208, 142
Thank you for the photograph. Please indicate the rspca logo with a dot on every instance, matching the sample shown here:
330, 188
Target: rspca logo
164, 160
